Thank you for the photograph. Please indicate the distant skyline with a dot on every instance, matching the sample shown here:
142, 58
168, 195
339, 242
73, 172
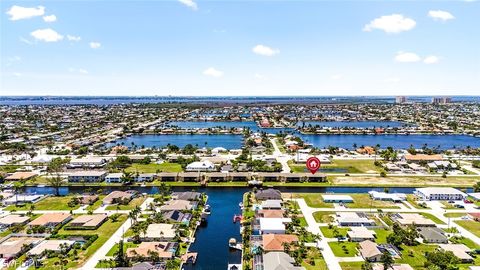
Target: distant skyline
239, 48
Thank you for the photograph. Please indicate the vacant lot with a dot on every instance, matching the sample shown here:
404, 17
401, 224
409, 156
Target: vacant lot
153, 168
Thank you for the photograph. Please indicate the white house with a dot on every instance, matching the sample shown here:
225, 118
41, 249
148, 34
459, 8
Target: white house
337, 198
383, 196
440, 193
87, 162
273, 225
202, 166
113, 178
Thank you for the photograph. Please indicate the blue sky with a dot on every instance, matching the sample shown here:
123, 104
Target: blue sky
240, 47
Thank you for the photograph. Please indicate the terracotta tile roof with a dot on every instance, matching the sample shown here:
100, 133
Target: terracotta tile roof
274, 242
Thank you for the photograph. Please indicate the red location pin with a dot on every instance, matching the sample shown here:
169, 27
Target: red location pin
313, 164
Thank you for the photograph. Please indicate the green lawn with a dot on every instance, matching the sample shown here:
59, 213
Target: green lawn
364, 201
433, 218
471, 226
133, 203
381, 235
48, 203
313, 200
351, 265
104, 232
96, 204
314, 260
412, 199
454, 215
416, 258
126, 245
153, 168
343, 249
346, 165
324, 217
329, 233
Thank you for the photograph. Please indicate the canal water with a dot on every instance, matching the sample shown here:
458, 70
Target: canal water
211, 241
353, 124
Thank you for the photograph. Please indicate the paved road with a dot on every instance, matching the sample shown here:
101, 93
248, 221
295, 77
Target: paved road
101, 253
280, 157
313, 227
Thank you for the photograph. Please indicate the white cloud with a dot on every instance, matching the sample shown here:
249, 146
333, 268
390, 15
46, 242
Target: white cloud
20, 13
73, 38
189, 3
265, 50
212, 72
17, 74
337, 77
394, 23
431, 59
47, 35
95, 45
50, 18
440, 15
407, 57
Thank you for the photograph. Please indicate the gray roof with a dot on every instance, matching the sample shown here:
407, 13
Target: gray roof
432, 234
279, 261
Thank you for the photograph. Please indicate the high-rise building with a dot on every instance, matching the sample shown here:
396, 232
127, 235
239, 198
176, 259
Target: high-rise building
441, 100
400, 99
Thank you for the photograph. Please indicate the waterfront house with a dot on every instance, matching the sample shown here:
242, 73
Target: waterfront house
350, 219
370, 251
269, 176
177, 216
383, 196
20, 176
432, 235
379, 266
187, 195
239, 176
267, 213
145, 177
273, 225
440, 193
200, 166
276, 242
159, 232
217, 177
12, 220
337, 198
405, 219
167, 177
272, 204
460, 251
88, 198
87, 176
179, 205
87, 162
279, 260
12, 247
268, 194
422, 158
53, 245
190, 176
164, 250
51, 220
117, 196
88, 221
23, 199
360, 234
113, 177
